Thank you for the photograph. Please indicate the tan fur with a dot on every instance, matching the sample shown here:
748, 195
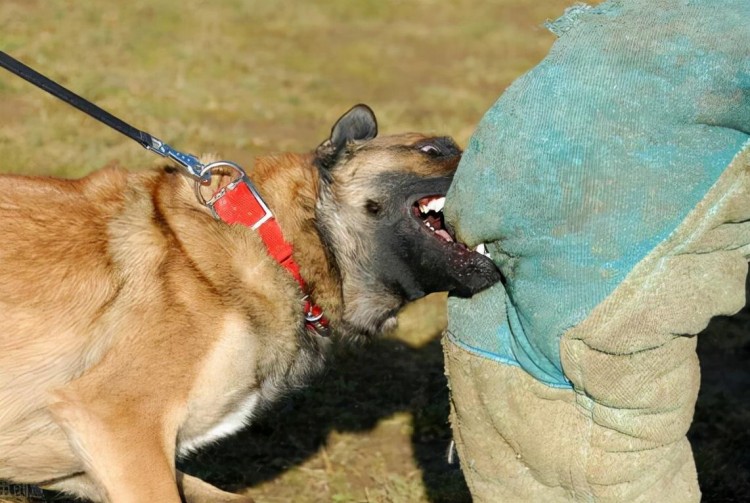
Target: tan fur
341, 202
137, 328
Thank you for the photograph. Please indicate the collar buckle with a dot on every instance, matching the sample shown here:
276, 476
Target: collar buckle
314, 318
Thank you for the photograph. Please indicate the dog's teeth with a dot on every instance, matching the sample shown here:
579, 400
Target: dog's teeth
437, 204
483, 250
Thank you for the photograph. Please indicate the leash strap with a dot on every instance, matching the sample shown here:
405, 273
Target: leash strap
13, 65
189, 162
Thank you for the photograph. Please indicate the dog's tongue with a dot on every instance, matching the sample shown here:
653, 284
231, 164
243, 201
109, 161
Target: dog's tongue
444, 234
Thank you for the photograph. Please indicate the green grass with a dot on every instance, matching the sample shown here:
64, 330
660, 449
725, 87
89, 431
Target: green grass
249, 77
245, 78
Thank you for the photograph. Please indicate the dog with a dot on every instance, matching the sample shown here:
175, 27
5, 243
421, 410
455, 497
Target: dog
138, 327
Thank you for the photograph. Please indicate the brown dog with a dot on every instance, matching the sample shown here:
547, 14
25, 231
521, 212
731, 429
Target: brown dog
138, 327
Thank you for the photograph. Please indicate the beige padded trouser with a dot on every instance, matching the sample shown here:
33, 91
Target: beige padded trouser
620, 434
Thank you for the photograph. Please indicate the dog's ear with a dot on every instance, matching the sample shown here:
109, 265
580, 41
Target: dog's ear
358, 124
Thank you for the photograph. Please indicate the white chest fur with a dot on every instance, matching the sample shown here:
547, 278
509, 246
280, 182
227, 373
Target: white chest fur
226, 392
227, 425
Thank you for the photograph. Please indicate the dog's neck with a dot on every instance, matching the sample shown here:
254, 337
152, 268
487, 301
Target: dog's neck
289, 185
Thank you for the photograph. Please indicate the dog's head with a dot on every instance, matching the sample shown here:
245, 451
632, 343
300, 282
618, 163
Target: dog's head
380, 214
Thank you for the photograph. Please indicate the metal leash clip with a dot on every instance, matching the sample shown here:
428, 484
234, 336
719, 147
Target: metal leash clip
203, 174
192, 165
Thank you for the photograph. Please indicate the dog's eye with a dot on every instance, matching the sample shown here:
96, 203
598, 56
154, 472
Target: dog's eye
430, 150
373, 207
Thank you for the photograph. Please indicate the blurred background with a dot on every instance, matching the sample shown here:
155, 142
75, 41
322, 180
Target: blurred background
244, 78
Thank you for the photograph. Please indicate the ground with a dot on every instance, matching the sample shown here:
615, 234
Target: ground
245, 78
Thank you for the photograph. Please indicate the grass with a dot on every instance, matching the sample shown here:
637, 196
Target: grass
247, 77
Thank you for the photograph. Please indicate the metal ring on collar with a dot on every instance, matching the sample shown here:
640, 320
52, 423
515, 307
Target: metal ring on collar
206, 173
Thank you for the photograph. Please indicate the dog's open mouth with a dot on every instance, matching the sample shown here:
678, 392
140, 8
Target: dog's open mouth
429, 210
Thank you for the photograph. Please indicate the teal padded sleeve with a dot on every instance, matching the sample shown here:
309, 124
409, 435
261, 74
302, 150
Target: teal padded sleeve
590, 160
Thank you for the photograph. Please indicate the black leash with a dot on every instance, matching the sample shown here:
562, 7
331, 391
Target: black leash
189, 162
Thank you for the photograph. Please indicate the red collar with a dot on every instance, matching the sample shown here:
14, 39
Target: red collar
240, 203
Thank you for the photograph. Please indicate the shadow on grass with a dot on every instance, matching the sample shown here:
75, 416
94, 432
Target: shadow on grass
362, 386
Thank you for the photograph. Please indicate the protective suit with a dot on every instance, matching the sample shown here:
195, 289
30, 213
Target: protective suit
611, 184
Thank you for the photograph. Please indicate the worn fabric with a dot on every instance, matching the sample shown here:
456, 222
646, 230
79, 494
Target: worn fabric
612, 185
592, 159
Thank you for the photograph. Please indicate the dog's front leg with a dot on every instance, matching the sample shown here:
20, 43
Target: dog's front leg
121, 447
194, 490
